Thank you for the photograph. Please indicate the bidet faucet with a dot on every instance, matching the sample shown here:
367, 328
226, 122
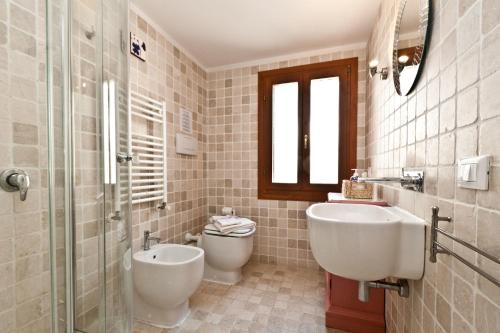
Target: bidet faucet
148, 239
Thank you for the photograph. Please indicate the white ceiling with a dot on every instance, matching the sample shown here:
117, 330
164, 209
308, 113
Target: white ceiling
224, 32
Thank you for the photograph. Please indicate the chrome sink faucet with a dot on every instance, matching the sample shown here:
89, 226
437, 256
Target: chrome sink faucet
409, 179
148, 239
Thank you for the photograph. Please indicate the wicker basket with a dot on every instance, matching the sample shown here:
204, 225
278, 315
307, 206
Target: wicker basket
354, 190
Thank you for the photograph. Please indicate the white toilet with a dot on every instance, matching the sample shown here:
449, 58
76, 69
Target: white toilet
225, 255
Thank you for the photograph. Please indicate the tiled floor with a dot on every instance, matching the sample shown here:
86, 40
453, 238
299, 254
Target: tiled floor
268, 299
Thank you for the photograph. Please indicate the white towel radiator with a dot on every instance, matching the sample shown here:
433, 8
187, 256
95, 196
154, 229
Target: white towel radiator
148, 142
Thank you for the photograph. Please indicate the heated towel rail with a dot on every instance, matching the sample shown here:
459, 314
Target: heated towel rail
148, 141
438, 248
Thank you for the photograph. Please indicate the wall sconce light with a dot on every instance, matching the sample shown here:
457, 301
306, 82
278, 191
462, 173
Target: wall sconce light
403, 59
384, 72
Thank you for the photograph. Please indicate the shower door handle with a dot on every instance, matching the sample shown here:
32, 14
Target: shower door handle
109, 131
124, 158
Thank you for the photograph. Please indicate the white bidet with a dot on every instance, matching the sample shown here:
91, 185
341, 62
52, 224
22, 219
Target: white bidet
164, 278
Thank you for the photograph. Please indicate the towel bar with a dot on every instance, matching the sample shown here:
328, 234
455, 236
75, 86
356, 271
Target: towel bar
438, 248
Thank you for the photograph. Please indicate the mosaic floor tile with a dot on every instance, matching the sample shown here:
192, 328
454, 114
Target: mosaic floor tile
268, 299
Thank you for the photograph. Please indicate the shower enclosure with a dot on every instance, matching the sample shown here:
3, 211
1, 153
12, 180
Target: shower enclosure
88, 165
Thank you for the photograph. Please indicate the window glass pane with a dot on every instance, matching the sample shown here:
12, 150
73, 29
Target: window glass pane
324, 131
285, 132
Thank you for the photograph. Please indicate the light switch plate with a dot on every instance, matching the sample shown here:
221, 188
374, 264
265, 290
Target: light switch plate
474, 172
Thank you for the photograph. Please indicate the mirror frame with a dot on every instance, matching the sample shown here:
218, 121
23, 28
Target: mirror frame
426, 15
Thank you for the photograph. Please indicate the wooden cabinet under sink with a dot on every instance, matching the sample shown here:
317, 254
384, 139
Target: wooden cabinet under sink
344, 311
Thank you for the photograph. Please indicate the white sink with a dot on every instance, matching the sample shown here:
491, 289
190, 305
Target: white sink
367, 242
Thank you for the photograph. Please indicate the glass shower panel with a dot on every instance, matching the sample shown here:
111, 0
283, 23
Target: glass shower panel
87, 69
89, 199
56, 171
100, 94
117, 235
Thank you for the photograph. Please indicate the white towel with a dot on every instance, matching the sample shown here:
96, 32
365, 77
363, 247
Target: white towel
230, 224
225, 221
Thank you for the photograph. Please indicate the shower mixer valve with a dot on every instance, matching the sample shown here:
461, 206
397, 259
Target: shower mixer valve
13, 180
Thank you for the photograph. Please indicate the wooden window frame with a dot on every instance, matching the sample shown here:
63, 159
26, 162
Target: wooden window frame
347, 71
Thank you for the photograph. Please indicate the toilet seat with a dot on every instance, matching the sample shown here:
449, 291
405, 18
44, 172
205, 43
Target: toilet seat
210, 229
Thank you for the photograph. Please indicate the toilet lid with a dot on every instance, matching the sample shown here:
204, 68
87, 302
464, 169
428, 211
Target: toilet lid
212, 230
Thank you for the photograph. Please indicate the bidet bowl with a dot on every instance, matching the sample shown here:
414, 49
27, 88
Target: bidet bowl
366, 242
164, 278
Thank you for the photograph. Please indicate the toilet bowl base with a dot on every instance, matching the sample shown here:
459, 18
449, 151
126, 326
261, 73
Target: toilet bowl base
219, 276
163, 318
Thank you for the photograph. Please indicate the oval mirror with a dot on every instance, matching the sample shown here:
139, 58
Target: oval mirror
411, 41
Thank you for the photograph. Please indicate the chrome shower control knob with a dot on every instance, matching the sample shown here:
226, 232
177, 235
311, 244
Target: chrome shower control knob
13, 180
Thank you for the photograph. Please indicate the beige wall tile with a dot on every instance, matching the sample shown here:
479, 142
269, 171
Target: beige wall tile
466, 142
432, 152
25, 134
490, 55
447, 149
489, 99
448, 82
433, 93
459, 325
487, 315
7, 321
464, 6
488, 231
6, 251
469, 29
447, 116
3, 34
448, 19
3, 10
467, 105
463, 298
22, 19
448, 51
433, 122
489, 134
468, 68
490, 14
22, 42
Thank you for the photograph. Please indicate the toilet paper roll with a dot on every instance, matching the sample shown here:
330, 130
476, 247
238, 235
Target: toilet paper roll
227, 211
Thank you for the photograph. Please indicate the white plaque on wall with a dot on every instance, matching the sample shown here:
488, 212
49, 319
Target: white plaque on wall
186, 144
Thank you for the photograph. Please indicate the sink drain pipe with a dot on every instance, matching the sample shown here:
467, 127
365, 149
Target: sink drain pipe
401, 287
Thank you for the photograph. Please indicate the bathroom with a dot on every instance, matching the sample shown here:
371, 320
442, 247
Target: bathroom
131, 123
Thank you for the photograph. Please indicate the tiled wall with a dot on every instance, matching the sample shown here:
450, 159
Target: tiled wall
231, 162
24, 237
170, 75
455, 112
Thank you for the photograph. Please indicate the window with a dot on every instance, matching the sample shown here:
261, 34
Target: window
307, 130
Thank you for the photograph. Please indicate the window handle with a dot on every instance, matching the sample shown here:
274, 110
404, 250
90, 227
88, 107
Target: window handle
306, 141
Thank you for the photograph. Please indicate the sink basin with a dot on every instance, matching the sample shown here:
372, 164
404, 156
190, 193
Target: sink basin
367, 242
